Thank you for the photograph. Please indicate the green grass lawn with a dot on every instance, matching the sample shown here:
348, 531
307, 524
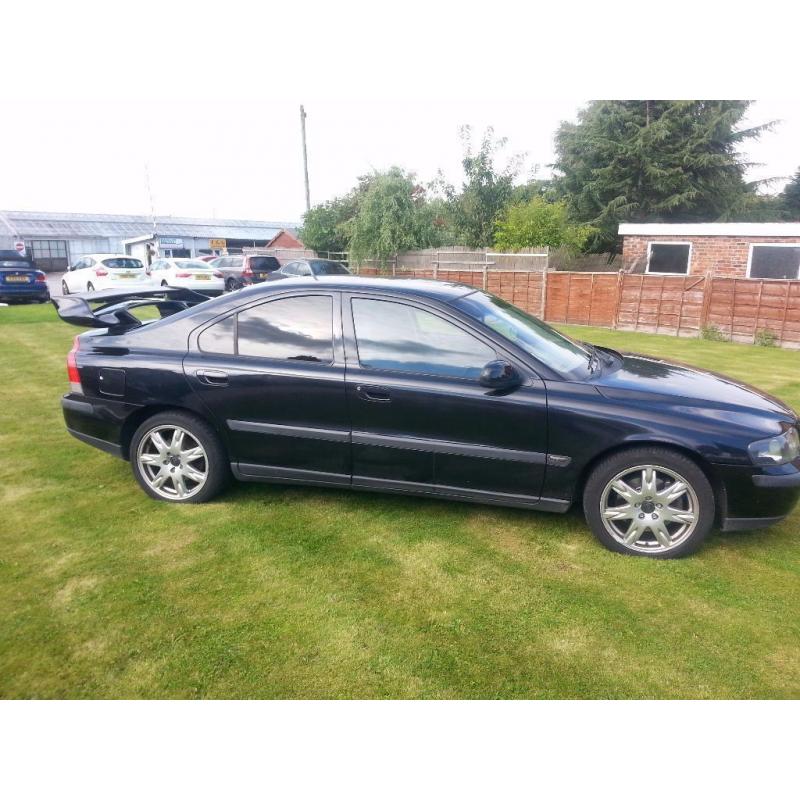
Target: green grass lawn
310, 593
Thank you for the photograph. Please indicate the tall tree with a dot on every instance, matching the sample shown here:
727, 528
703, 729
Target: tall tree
653, 160
393, 215
486, 190
790, 198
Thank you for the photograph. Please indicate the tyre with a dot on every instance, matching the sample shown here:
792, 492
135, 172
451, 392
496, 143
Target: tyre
230, 285
164, 283
64, 288
179, 458
649, 501
89, 287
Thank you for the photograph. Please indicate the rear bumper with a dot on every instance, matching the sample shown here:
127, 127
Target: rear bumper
99, 425
24, 291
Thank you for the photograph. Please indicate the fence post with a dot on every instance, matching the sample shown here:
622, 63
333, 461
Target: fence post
486, 271
620, 281
394, 266
543, 313
786, 309
758, 310
591, 300
436, 266
708, 292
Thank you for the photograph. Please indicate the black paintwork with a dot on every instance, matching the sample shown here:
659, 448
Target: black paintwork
529, 443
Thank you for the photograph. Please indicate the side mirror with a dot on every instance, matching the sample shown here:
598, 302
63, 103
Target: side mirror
500, 375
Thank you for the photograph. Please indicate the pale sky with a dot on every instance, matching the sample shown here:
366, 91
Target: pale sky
244, 159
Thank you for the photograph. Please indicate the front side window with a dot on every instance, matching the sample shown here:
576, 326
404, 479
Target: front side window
670, 258
775, 261
293, 328
552, 348
400, 337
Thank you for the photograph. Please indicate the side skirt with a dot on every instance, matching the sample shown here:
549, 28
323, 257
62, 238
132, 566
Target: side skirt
258, 472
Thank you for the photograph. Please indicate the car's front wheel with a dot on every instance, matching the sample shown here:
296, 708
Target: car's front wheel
649, 501
89, 287
179, 458
64, 288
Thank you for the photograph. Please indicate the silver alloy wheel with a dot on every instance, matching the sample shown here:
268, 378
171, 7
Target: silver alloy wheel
649, 509
172, 461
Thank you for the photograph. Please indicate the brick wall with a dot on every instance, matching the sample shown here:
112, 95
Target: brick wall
725, 256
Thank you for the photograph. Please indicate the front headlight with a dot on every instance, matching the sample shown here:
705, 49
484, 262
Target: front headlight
777, 450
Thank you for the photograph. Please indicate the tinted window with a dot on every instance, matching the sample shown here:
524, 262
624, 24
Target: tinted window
400, 337
775, 262
297, 328
123, 263
264, 263
328, 268
219, 338
669, 258
532, 335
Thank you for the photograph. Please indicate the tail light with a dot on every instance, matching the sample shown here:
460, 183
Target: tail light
183, 274
101, 272
72, 368
216, 274
41, 277
248, 270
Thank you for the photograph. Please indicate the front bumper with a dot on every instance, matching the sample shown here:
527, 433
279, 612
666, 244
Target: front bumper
756, 497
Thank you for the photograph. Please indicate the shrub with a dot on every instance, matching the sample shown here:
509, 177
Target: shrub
713, 334
766, 338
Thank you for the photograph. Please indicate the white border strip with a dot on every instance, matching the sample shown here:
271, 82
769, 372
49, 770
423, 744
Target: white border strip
712, 229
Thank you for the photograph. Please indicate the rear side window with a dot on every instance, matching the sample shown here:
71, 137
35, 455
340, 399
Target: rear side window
264, 263
219, 338
294, 328
400, 337
123, 263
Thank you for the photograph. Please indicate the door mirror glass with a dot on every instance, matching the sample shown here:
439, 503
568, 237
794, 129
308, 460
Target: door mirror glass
500, 375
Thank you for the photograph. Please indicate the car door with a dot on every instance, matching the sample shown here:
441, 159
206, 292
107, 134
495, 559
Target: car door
421, 420
272, 376
73, 275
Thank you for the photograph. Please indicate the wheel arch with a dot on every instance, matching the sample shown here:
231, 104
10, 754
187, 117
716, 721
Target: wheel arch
718, 487
140, 415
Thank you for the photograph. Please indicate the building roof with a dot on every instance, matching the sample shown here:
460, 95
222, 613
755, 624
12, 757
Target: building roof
772, 229
45, 223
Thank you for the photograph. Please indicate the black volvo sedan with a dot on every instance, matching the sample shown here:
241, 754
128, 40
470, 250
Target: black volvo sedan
423, 388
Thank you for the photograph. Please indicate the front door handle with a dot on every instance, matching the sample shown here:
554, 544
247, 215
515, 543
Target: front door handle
213, 377
374, 394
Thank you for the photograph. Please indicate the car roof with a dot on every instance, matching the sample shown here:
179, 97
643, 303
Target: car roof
413, 287
110, 255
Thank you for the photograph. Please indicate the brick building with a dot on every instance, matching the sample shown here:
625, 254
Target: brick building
725, 249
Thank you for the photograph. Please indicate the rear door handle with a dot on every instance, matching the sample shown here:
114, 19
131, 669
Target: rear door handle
213, 377
374, 394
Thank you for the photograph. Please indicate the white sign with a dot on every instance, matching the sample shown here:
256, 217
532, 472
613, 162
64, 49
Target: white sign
170, 241
19, 246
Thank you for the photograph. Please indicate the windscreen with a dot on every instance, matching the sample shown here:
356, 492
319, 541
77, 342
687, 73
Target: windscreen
552, 348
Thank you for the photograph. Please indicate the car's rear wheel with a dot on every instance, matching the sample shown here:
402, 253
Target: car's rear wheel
64, 288
230, 285
164, 283
649, 501
89, 287
178, 458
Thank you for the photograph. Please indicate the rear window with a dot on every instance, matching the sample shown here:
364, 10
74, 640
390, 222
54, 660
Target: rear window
328, 268
123, 263
264, 263
193, 264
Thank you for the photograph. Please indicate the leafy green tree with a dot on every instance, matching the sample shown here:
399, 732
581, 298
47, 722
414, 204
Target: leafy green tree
538, 223
323, 229
393, 215
790, 198
486, 190
653, 160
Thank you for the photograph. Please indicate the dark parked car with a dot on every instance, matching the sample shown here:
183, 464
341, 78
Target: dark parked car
310, 268
244, 270
20, 281
425, 388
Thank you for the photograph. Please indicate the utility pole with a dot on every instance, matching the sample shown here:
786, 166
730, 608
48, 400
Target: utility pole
305, 155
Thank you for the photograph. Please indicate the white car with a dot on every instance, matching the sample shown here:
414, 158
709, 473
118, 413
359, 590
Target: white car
104, 271
186, 273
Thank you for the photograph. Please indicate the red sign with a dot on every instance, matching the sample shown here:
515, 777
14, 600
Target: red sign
19, 246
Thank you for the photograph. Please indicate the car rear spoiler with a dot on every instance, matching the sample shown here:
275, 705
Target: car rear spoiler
114, 309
